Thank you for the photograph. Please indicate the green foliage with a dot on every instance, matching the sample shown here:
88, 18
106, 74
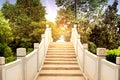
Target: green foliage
5, 39
83, 6
84, 30
33, 9
36, 30
29, 50
112, 20
92, 47
112, 54
25, 18
102, 37
110, 14
9, 11
64, 23
5, 30
64, 17
105, 33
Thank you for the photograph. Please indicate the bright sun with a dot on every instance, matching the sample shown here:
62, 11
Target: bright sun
51, 17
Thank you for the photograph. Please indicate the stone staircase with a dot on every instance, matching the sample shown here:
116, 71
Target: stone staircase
60, 63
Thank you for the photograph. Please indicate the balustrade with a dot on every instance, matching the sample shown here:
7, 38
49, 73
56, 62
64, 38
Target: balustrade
26, 67
94, 67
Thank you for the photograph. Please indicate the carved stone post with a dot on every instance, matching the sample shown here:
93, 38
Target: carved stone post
77, 45
21, 53
85, 46
101, 53
43, 38
2, 63
118, 64
36, 46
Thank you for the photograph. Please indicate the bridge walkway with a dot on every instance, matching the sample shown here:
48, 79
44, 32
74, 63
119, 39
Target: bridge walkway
60, 63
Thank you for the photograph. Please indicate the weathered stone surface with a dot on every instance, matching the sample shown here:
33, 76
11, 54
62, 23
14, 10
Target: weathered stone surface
101, 51
21, 52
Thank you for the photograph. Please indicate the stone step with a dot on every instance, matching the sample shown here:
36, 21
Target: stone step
54, 46
61, 51
60, 67
61, 46
60, 62
60, 56
60, 73
60, 78
50, 53
56, 65
60, 59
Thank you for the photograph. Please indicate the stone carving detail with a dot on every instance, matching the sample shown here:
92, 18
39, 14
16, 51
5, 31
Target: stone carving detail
101, 51
21, 52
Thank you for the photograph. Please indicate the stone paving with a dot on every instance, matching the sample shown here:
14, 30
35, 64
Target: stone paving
60, 63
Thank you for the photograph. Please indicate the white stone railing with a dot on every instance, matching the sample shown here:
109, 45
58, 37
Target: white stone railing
94, 67
26, 67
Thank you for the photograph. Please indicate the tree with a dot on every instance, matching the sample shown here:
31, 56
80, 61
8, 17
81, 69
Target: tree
64, 17
21, 15
5, 39
82, 6
105, 32
33, 9
110, 15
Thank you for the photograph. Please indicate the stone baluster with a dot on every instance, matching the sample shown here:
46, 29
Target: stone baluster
77, 45
21, 53
118, 64
43, 38
36, 46
2, 63
85, 46
101, 53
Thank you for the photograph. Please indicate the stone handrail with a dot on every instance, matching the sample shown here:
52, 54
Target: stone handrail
26, 67
94, 67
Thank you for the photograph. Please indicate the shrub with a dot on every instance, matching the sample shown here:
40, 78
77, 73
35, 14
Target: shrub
92, 47
112, 54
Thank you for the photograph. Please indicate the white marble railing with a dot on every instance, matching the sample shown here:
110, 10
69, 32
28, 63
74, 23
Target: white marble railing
26, 67
94, 67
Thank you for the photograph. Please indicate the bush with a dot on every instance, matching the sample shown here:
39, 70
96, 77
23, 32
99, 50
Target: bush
29, 50
92, 47
112, 54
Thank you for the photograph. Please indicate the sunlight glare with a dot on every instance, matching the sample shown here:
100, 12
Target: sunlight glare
51, 17
61, 39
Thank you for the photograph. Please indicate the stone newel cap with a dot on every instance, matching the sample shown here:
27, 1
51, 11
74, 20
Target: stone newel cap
42, 35
21, 52
36, 45
85, 46
101, 51
118, 60
2, 60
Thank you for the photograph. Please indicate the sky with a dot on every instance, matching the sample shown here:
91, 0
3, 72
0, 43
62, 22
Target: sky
51, 8
110, 2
